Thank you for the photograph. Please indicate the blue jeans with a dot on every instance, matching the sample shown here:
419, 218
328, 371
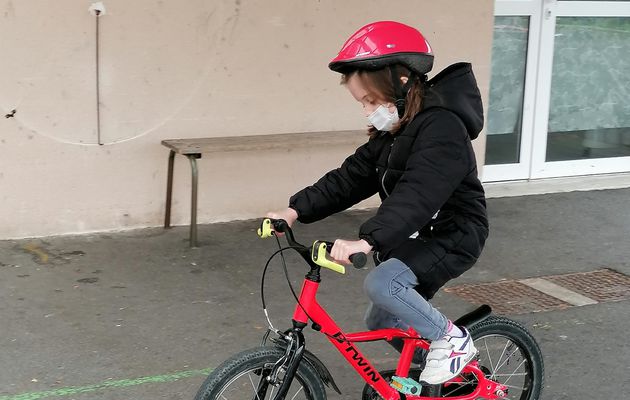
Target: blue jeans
396, 304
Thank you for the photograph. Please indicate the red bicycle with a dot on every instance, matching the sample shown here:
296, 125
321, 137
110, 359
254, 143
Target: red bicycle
509, 364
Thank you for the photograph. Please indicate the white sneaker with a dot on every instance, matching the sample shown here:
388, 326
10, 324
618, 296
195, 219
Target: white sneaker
447, 357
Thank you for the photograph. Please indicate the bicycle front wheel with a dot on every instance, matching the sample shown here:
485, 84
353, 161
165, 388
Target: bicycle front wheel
243, 377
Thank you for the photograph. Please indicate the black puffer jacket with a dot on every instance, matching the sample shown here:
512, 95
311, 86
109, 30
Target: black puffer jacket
428, 166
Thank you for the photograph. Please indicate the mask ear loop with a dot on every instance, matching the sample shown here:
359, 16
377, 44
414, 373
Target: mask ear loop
400, 91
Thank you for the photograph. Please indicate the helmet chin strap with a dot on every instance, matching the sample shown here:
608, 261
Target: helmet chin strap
400, 91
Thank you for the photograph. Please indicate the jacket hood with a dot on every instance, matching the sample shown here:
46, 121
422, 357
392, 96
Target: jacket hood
455, 89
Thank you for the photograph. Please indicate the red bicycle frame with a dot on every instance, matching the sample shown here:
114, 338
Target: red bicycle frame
309, 307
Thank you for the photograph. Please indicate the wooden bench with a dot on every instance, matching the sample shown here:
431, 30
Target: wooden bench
194, 148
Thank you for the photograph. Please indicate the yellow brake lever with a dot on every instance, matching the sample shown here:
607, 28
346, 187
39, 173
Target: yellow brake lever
265, 229
318, 254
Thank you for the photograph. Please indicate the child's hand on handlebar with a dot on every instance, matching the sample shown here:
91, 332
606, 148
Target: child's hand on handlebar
345, 248
288, 214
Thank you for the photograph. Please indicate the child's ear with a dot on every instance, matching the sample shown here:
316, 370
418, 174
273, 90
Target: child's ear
404, 79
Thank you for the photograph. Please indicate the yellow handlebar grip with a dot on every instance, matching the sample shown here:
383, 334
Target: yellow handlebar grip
265, 229
319, 257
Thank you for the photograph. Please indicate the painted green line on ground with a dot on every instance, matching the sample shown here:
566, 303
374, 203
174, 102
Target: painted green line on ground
107, 385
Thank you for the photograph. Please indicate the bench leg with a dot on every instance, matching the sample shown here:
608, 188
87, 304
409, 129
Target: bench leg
169, 189
193, 199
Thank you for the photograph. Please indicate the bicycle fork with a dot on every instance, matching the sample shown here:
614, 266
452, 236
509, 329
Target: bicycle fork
283, 371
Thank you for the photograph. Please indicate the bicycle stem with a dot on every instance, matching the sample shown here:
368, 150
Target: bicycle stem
280, 225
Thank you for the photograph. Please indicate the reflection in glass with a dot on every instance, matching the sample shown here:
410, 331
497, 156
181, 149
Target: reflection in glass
507, 83
589, 115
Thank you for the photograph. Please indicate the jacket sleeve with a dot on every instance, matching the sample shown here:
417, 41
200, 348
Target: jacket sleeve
439, 161
340, 188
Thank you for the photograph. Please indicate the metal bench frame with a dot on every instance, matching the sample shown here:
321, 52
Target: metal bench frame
195, 147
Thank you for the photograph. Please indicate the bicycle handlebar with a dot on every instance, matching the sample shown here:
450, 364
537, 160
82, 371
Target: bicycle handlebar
358, 260
315, 253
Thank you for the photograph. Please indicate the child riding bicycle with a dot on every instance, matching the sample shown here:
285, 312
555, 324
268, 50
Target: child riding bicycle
431, 225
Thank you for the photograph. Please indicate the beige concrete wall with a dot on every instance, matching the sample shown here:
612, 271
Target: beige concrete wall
171, 69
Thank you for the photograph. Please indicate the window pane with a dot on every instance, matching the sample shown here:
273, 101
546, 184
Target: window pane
507, 83
589, 115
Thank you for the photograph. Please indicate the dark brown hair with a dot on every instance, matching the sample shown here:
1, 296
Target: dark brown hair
378, 83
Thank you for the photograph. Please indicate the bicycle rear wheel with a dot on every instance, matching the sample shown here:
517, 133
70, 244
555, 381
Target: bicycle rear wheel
243, 376
508, 354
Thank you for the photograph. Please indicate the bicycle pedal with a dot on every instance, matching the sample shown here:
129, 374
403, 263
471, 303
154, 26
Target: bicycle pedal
406, 385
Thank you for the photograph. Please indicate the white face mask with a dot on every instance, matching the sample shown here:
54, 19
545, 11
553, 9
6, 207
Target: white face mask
382, 119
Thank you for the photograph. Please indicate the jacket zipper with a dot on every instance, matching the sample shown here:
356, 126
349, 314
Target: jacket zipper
387, 168
383, 183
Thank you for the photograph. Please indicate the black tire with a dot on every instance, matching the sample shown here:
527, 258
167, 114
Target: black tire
307, 383
515, 345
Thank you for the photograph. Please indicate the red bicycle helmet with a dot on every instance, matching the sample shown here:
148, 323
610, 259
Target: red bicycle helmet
384, 43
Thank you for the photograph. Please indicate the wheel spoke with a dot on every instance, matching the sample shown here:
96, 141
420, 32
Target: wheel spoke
500, 358
459, 386
515, 387
489, 358
507, 358
296, 393
271, 393
519, 366
253, 386
452, 391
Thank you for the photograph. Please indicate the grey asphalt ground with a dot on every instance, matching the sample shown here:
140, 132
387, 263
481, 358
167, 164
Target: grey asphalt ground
138, 315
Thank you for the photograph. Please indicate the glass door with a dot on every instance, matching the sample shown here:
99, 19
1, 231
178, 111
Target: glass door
559, 101
582, 123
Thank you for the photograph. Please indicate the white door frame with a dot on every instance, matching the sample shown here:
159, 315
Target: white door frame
522, 169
